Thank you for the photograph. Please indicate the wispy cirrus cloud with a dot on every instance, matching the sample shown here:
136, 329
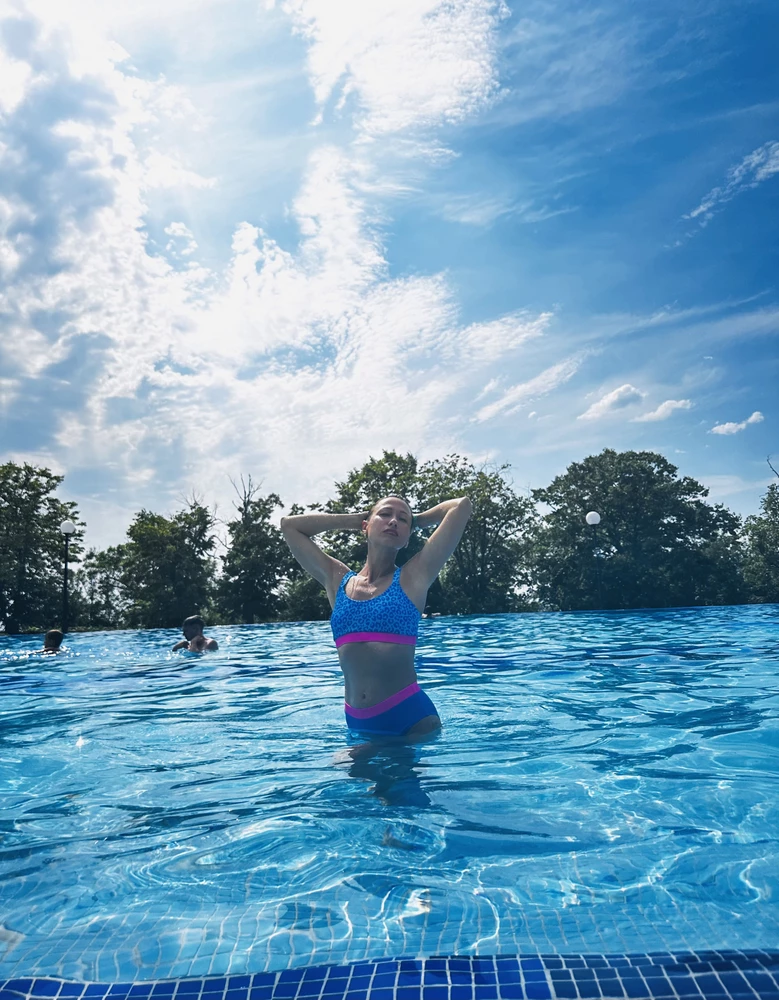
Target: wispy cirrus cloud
617, 399
541, 385
664, 411
484, 211
736, 428
758, 166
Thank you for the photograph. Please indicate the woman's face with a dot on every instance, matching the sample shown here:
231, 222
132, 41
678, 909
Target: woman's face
389, 523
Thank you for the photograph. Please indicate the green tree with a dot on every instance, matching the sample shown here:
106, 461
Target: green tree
169, 566
32, 548
486, 574
100, 599
659, 544
390, 475
302, 598
257, 558
761, 561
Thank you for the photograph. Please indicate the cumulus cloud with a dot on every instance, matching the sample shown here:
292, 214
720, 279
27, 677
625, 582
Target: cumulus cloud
664, 410
182, 242
617, 399
755, 168
734, 428
406, 65
291, 363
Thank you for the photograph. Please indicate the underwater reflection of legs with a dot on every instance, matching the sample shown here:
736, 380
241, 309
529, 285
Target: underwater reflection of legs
393, 767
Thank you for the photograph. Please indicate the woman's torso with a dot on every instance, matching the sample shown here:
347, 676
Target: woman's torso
375, 670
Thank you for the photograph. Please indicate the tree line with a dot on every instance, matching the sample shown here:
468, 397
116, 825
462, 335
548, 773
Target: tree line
659, 543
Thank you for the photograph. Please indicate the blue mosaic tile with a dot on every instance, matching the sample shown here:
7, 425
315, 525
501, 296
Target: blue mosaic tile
705, 975
537, 991
48, 988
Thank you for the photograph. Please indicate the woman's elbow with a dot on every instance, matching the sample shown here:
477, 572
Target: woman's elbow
465, 505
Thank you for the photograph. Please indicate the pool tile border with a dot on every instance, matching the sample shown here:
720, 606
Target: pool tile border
714, 975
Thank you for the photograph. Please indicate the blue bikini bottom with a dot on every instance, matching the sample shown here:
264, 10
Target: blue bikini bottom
394, 716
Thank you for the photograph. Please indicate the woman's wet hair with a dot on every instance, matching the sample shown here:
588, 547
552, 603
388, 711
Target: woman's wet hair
53, 638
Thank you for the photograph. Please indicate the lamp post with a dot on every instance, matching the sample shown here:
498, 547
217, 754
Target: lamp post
67, 528
593, 519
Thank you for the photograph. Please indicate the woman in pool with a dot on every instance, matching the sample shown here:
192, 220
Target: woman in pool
376, 612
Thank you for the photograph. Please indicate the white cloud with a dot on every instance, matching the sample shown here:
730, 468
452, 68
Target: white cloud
475, 211
722, 487
734, 428
664, 410
182, 241
547, 381
163, 171
406, 65
483, 343
755, 168
484, 211
617, 399
291, 364
15, 75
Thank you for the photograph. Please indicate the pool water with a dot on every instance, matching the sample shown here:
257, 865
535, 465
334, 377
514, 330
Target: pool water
603, 783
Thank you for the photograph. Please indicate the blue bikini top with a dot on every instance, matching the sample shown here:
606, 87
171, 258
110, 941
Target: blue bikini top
389, 617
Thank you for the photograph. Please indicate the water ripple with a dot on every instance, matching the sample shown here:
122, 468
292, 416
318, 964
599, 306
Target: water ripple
603, 782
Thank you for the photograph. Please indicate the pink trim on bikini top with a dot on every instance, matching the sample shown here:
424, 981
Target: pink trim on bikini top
406, 640
383, 706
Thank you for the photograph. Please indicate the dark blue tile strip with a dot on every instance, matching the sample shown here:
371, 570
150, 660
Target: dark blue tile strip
712, 975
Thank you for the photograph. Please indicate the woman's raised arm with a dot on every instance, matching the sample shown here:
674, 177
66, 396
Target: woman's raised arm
451, 516
298, 530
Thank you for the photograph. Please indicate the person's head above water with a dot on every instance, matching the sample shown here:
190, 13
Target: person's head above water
193, 626
52, 640
389, 522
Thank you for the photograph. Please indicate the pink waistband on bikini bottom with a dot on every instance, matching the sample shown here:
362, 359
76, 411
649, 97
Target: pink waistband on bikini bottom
405, 640
383, 706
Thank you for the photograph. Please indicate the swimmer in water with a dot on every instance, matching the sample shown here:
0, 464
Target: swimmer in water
376, 612
194, 640
52, 641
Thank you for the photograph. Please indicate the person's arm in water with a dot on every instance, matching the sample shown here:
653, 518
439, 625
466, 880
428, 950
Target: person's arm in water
298, 531
184, 644
451, 516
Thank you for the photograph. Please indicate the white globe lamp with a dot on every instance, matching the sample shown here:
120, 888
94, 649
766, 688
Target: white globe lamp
67, 528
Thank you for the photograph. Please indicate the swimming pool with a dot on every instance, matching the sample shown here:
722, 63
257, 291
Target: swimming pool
605, 783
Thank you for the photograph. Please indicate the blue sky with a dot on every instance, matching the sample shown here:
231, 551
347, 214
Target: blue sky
276, 238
